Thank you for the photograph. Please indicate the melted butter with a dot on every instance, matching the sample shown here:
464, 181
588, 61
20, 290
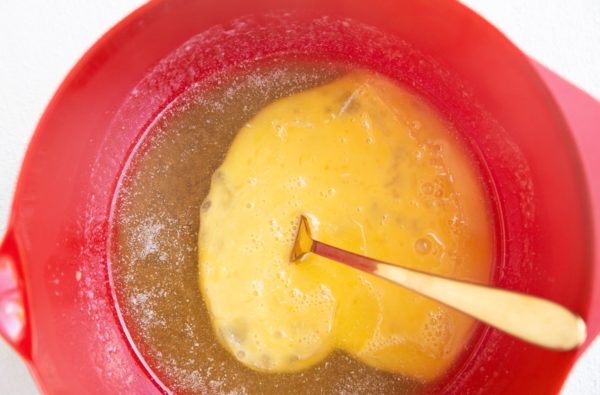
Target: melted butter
377, 172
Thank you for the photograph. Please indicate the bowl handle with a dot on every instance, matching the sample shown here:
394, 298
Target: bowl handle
582, 113
13, 313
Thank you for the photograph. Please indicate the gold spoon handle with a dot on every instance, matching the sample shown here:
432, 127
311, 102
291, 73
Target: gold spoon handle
529, 318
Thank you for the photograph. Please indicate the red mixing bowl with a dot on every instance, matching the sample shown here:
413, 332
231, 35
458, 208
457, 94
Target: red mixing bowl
56, 302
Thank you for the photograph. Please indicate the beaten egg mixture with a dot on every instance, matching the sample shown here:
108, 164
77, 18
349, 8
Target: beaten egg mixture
378, 172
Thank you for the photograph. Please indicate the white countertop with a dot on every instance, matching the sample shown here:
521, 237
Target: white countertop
41, 40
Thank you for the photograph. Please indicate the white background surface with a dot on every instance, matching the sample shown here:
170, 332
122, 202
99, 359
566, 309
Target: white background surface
41, 40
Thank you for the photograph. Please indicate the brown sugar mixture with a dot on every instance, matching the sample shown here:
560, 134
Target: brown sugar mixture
154, 264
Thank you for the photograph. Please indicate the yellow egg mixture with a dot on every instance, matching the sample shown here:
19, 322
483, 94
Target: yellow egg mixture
379, 173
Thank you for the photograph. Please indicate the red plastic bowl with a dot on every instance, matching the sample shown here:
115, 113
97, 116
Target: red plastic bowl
56, 306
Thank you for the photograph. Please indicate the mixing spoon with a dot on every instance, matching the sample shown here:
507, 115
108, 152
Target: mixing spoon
535, 320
